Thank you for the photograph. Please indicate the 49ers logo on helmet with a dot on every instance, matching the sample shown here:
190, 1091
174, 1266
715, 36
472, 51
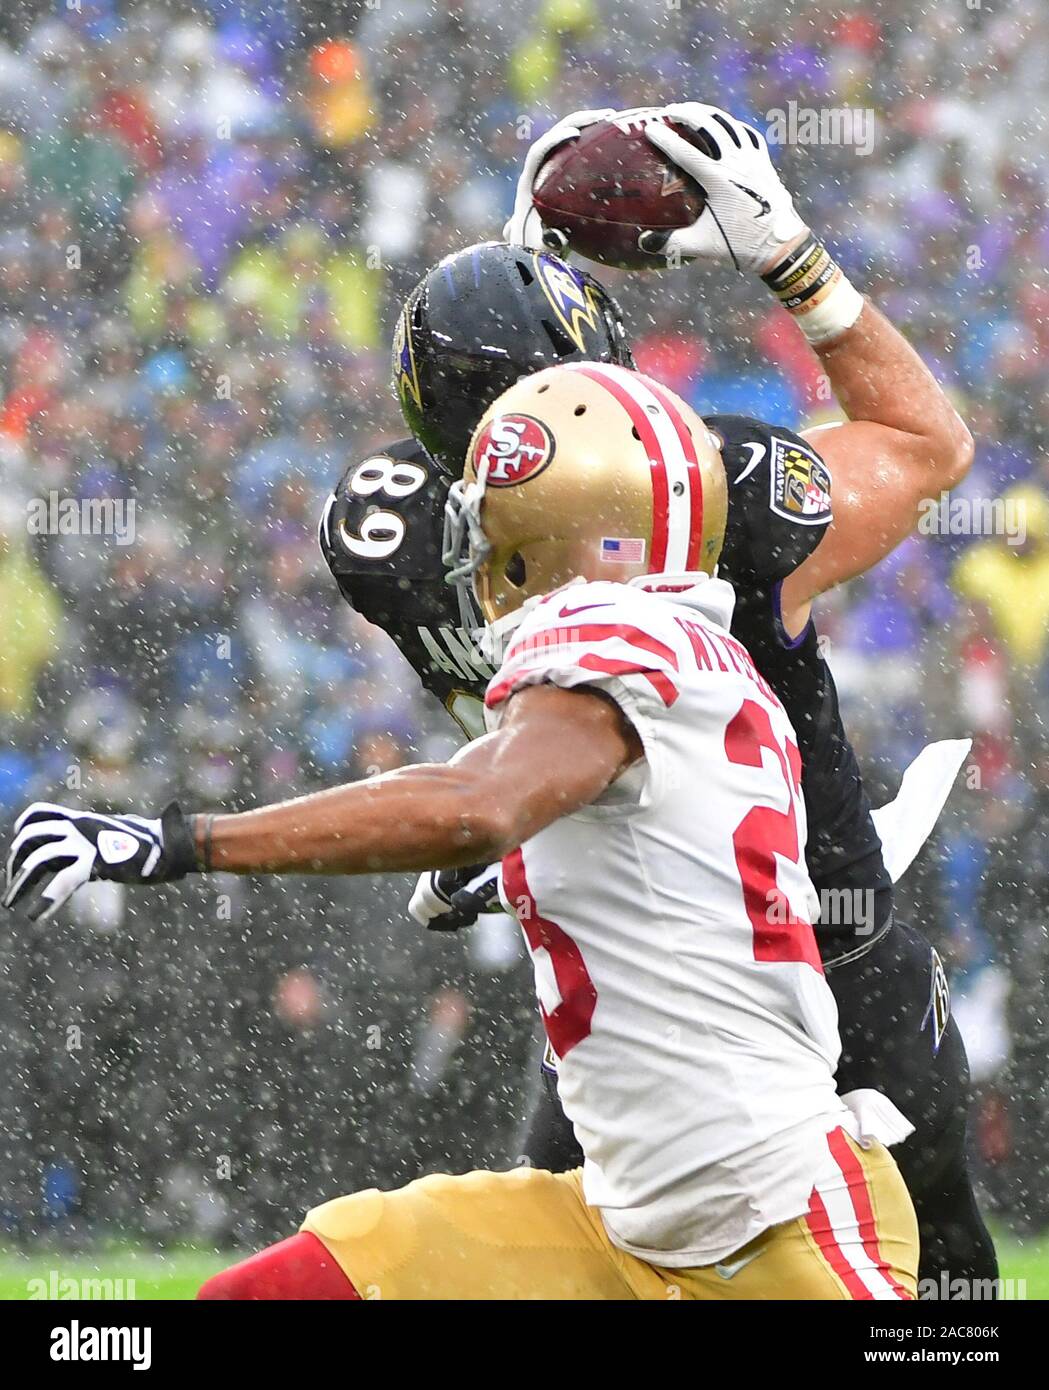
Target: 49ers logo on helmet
515, 447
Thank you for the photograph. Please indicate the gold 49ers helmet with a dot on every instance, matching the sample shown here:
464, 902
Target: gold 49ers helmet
583, 469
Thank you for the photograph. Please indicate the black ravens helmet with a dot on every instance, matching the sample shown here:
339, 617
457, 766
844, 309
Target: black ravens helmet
481, 319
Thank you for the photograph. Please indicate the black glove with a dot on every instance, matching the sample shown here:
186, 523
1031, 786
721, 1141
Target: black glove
56, 849
450, 899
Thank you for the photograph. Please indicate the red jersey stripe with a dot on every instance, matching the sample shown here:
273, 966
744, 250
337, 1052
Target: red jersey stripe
496, 694
609, 666
548, 637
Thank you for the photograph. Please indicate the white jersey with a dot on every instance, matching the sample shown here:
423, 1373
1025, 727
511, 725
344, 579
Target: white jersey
668, 925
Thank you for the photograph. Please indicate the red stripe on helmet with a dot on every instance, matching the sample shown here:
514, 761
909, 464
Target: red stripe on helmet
660, 488
695, 477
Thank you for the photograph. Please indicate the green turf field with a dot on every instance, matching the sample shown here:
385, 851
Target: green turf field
175, 1273
1027, 1261
178, 1273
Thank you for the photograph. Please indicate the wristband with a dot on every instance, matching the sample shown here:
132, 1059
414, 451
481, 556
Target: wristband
815, 291
202, 856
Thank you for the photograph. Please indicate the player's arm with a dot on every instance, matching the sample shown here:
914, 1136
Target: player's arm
555, 751
903, 440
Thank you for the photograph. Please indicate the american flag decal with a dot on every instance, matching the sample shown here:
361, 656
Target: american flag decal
623, 551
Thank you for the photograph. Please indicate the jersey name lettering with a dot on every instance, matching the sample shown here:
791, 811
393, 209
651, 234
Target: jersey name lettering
457, 656
713, 650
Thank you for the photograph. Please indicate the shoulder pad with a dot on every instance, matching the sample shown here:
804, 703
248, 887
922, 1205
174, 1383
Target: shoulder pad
386, 516
779, 498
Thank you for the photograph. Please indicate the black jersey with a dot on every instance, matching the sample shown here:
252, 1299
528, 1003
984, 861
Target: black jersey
778, 489
381, 535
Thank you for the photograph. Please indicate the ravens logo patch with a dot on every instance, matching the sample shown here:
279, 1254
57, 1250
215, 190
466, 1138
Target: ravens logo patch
800, 484
939, 1009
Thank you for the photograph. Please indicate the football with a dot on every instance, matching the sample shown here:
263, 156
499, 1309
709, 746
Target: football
607, 186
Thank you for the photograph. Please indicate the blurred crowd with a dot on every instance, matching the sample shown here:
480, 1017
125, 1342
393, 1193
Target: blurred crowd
209, 213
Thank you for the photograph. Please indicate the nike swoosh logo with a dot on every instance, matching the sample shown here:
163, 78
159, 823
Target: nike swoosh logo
764, 206
730, 1270
757, 453
567, 612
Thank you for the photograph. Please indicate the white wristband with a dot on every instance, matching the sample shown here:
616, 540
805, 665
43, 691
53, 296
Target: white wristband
832, 315
815, 291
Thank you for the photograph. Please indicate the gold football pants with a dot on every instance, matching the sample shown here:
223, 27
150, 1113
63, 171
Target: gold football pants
528, 1234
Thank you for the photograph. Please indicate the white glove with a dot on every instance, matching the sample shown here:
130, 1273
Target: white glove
449, 899
524, 227
749, 215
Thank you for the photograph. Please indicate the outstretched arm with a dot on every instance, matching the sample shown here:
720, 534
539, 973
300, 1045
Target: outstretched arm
555, 751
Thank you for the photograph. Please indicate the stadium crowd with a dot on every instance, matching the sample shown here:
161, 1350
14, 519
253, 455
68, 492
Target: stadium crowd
209, 213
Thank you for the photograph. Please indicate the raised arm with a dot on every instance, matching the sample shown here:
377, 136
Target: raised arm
903, 442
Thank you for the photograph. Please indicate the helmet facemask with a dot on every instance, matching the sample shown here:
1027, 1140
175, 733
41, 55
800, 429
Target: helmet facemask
465, 547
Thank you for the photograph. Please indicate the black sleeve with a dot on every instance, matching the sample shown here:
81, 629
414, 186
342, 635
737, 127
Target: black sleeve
779, 498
